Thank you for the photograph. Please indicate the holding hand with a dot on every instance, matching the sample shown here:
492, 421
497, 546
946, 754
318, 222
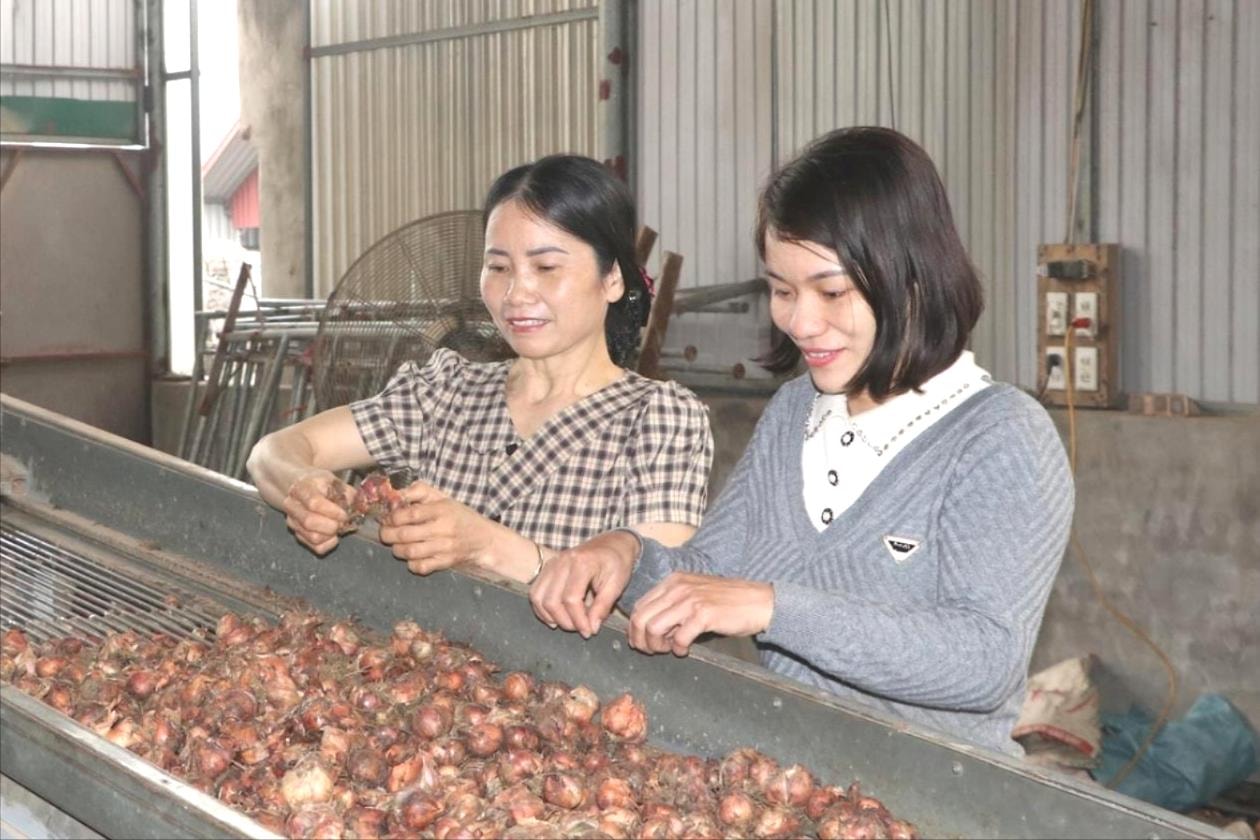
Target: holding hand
432, 531
600, 566
681, 607
316, 509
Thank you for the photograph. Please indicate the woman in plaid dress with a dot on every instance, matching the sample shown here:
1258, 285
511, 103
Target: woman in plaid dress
517, 460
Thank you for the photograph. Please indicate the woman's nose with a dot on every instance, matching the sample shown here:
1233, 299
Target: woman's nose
520, 287
806, 320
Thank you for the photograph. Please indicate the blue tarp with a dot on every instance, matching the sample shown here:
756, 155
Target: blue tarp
1189, 763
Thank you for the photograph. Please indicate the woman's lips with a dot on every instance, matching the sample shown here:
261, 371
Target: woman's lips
525, 325
820, 358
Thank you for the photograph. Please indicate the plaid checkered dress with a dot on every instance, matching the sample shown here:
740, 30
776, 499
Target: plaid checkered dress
637, 451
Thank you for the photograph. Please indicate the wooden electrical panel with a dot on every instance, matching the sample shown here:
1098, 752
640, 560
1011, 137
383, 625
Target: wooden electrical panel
1075, 284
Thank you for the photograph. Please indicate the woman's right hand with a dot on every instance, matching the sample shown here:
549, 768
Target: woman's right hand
601, 567
310, 512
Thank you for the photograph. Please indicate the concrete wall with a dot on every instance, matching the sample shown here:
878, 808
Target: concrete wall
273, 84
72, 326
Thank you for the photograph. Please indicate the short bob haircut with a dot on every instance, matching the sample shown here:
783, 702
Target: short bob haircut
873, 196
585, 199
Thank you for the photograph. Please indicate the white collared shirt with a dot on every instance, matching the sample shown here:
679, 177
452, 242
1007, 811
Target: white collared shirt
842, 455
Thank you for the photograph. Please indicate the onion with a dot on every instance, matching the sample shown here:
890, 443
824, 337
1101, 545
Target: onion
416, 810
619, 822
777, 822
564, 790
431, 721
700, 825
366, 765
210, 758
448, 752
315, 822
14, 641
485, 739
345, 637
308, 783
519, 765
661, 828
49, 666
821, 799
625, 719
60, 698
790, 786
520, 803
365, 823
737, 809
522, 737
614, 792
518, 686
581, 704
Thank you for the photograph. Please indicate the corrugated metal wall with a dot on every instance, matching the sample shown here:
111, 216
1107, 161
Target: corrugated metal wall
1179, 139
401, 132
941, 72
68, 33
987, 87
704, 144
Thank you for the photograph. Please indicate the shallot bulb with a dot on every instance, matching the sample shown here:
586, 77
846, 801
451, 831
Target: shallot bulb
564, 790
308, 783
790, 786
625, 719
581, 704
518, 686
416, 810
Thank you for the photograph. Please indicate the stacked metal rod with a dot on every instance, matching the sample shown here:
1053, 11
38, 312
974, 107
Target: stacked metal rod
234, 403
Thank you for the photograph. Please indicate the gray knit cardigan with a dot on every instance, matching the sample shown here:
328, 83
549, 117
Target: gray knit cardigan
939, 634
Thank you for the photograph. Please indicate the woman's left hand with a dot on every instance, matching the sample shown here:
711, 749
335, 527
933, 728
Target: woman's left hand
434, 532
684, 605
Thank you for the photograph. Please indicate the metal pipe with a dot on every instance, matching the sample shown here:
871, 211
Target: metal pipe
258, 414
74, 356
190, 408
156, 296
308, 154
490, 27
53, 71
689, 300
614, 63
194, 80
736, 371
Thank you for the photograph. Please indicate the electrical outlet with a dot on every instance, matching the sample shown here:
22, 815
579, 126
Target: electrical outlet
1056, 376
1056, 313
1085, 305
1085, 369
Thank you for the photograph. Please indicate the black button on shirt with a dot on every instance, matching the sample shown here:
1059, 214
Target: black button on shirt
827, 516
832, 478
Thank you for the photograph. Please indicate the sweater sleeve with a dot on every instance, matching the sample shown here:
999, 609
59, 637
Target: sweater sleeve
1002, 529
718, 546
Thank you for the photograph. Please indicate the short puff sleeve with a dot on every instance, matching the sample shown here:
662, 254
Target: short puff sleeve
670, 459
393, 423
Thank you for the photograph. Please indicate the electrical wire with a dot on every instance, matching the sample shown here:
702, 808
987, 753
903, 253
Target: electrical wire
1170, 696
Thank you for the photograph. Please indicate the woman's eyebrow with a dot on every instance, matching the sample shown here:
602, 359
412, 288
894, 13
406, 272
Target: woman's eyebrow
818, 275
545, 249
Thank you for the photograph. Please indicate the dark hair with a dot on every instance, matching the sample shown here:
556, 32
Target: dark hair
873, 196
584, 198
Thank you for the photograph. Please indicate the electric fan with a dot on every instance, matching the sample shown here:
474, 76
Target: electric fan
413, 291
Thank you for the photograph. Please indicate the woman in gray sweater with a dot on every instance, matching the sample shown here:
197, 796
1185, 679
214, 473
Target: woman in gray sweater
893, 529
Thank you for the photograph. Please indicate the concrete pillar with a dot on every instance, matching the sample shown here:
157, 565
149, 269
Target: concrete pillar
273, 84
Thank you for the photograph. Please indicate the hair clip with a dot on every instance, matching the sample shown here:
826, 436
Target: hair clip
647, 281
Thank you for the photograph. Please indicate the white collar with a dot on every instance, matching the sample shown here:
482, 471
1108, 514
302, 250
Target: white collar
964, 376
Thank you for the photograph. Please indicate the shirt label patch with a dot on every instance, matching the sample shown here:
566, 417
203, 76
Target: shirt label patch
900, 547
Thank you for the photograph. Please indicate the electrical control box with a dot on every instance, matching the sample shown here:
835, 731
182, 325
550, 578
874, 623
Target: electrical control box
1078, 343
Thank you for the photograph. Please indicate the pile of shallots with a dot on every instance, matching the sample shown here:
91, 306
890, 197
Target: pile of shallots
321, 730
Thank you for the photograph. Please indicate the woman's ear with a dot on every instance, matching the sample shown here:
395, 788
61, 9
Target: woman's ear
614, 284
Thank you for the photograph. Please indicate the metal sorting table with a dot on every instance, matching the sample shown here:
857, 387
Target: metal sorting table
109, 534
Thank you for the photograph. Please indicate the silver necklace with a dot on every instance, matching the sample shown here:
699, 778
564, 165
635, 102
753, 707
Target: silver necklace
855, 430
